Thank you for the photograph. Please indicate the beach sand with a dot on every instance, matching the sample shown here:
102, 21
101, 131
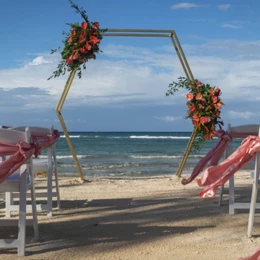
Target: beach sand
154, 219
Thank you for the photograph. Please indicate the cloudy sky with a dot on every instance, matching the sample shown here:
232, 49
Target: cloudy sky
124, 88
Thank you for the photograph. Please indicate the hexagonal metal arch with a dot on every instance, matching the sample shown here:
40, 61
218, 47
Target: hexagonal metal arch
131, 33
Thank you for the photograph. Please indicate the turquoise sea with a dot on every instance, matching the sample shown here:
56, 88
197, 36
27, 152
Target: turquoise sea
127, 154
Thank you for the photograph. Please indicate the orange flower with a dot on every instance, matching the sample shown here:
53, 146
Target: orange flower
80, 44
94, 40
73, 33
213, 132
75, 56
84, 25
69, 60
192, 109
205, 119
199, 96
207, 136
218, 106
87, 47
195, 122
82, 37
214, 99
199, 83
201, 107
196, 118
189, 96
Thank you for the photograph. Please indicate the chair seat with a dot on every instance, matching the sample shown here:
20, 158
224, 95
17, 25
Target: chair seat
40, 161
12, 183
252, 174
40, 164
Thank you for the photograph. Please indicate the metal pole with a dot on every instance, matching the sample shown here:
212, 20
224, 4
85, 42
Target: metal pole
63, 125
190, 77
180, 58
137, 34
186, 153
139, 30
184, 57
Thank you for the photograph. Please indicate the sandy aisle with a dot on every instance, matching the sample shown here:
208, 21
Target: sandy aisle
155, 219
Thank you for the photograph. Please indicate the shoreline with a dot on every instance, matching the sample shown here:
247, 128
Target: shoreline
42, 175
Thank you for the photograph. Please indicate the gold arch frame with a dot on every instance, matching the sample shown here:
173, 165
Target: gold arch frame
130, 33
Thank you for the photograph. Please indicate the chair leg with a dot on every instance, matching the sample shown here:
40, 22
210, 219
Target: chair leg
56, 177
220, 195
231, 196
57, 188
8, 203
253, 199
34, 209
22, 215
49, 184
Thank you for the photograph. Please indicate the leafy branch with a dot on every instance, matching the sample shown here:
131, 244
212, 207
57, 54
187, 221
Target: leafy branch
80, 44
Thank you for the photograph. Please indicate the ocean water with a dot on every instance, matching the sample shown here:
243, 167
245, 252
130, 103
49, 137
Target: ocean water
127, 154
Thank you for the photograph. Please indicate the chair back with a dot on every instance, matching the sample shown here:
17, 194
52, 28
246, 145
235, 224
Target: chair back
241, 132
12, 136
14, 156
35, 129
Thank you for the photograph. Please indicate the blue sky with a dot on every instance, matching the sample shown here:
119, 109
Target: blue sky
124, 89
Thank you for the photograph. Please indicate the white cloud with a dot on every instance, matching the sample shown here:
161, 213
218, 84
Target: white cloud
224, 7
244, 115
228, 25
138, 76
170, 118
186, 6
38, 61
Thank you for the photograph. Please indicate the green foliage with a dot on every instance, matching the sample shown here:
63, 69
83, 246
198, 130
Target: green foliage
204, 106
80, 45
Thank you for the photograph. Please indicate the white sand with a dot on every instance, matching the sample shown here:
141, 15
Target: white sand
154, 219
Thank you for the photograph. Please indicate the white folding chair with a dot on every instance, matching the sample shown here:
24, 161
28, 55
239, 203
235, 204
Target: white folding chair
19, 182
48, 165
253, 165
253, 204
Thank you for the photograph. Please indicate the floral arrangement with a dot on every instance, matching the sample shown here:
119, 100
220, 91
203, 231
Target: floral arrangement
80, 44
204, 105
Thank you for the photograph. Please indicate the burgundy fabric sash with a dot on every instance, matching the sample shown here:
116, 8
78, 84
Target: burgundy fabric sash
215, 176
213, 155
19, 153
255, 256
42, 141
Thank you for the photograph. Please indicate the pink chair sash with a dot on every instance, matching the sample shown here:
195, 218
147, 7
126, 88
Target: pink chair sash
255, 256
43, 141
213, 155
215, 176
19, 154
